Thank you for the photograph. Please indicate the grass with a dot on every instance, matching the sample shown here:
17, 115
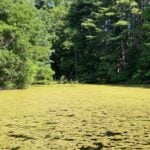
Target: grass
75, 117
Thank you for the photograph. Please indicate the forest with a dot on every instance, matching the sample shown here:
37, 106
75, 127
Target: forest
88, 41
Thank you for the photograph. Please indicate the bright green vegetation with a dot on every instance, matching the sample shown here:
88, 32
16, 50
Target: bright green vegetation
90, 41
24, 45
67, 117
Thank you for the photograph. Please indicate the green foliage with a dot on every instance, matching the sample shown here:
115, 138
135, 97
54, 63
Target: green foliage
9, 67
142, 75
24, 35
43, 74
88, 41
103, 42
122, 23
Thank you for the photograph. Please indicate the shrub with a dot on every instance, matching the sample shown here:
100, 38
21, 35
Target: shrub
9, 68
44, 75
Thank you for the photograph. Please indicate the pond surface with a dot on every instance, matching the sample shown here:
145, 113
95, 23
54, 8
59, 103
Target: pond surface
75, 117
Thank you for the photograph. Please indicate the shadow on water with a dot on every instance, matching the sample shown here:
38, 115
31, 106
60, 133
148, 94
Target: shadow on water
146, 86
130, 85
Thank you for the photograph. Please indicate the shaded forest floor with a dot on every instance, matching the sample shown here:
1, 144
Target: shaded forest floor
75, 117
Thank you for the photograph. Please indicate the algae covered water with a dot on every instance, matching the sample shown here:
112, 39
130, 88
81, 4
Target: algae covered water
75, 117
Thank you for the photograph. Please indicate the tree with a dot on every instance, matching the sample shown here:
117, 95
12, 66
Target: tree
104, 40
23, 34
142, 75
